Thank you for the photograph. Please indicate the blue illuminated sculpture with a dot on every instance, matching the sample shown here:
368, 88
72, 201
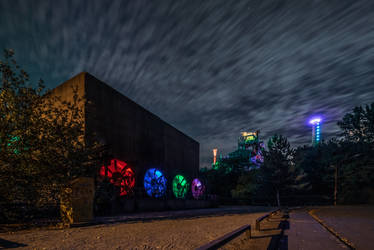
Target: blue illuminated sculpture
155, 183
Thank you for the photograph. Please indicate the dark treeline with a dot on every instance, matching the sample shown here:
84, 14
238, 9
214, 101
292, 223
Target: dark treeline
339, 171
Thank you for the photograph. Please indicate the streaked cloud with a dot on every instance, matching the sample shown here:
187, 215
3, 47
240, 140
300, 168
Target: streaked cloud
210, 68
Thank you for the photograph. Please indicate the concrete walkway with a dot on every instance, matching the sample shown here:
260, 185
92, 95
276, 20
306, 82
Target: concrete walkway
354, 223
305, 233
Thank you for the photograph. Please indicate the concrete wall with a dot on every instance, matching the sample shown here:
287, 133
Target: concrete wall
66, 90
146, 204
133, 134
137, 136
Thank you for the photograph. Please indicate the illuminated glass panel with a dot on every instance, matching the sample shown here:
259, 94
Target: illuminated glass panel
318, 131
249, 137
197, 188
154, 183
180, 186
120, 175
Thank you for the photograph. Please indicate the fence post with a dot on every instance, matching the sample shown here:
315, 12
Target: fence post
248, 232
257, 225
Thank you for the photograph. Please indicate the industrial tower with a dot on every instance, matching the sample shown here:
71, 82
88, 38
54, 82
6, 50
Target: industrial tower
316, 130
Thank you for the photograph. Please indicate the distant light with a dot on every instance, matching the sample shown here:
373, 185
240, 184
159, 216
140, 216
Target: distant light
315, 121
214, 155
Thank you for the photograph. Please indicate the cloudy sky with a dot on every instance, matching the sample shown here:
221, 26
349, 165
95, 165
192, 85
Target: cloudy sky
211, 68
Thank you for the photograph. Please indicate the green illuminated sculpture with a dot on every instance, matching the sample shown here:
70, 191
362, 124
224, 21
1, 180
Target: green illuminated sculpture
180, 186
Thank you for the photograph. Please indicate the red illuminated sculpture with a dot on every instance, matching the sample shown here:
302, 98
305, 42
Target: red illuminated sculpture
120, 175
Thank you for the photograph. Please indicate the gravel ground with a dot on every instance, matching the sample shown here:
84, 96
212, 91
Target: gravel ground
355, 223
158, 234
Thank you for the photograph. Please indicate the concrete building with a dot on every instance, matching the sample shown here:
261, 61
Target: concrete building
133, 134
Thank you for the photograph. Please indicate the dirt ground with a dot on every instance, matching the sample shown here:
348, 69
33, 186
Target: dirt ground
164, 231
187, 233
355, 223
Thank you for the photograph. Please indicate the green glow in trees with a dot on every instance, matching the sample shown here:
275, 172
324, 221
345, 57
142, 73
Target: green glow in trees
10, 143
180, 186
42, 141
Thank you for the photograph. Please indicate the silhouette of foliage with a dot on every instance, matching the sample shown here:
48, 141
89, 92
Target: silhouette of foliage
50, 148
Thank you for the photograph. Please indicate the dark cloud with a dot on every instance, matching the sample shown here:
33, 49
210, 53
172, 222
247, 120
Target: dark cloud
210, 68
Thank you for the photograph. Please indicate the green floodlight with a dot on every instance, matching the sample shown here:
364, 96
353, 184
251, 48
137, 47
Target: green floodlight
11, 141
215, 166
180, 186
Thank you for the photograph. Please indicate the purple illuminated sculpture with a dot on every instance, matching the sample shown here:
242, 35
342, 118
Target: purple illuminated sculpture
197, 188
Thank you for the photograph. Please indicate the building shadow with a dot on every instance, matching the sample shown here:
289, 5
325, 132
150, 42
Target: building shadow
187, 215
280, 241
10, 244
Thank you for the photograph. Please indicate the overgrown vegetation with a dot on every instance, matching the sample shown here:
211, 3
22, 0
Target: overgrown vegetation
42, 145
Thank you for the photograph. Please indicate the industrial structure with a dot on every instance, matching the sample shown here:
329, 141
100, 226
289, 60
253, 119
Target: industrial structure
138, 141
316, 130
214, 156
249, 154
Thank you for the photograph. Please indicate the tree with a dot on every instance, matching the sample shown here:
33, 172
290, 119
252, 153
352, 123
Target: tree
277, 171
317, 165
42, 141
246, 186
358, 126
356, 156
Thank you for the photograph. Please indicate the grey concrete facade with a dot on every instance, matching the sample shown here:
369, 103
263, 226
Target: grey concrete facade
133, 134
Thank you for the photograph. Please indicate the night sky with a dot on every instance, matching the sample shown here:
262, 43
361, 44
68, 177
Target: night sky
210, 68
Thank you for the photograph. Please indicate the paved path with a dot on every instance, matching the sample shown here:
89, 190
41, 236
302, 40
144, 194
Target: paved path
306, 233
355, 223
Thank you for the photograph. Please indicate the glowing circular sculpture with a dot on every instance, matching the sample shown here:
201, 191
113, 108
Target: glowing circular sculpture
120, 175
154, 183
180, 186
197, 188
